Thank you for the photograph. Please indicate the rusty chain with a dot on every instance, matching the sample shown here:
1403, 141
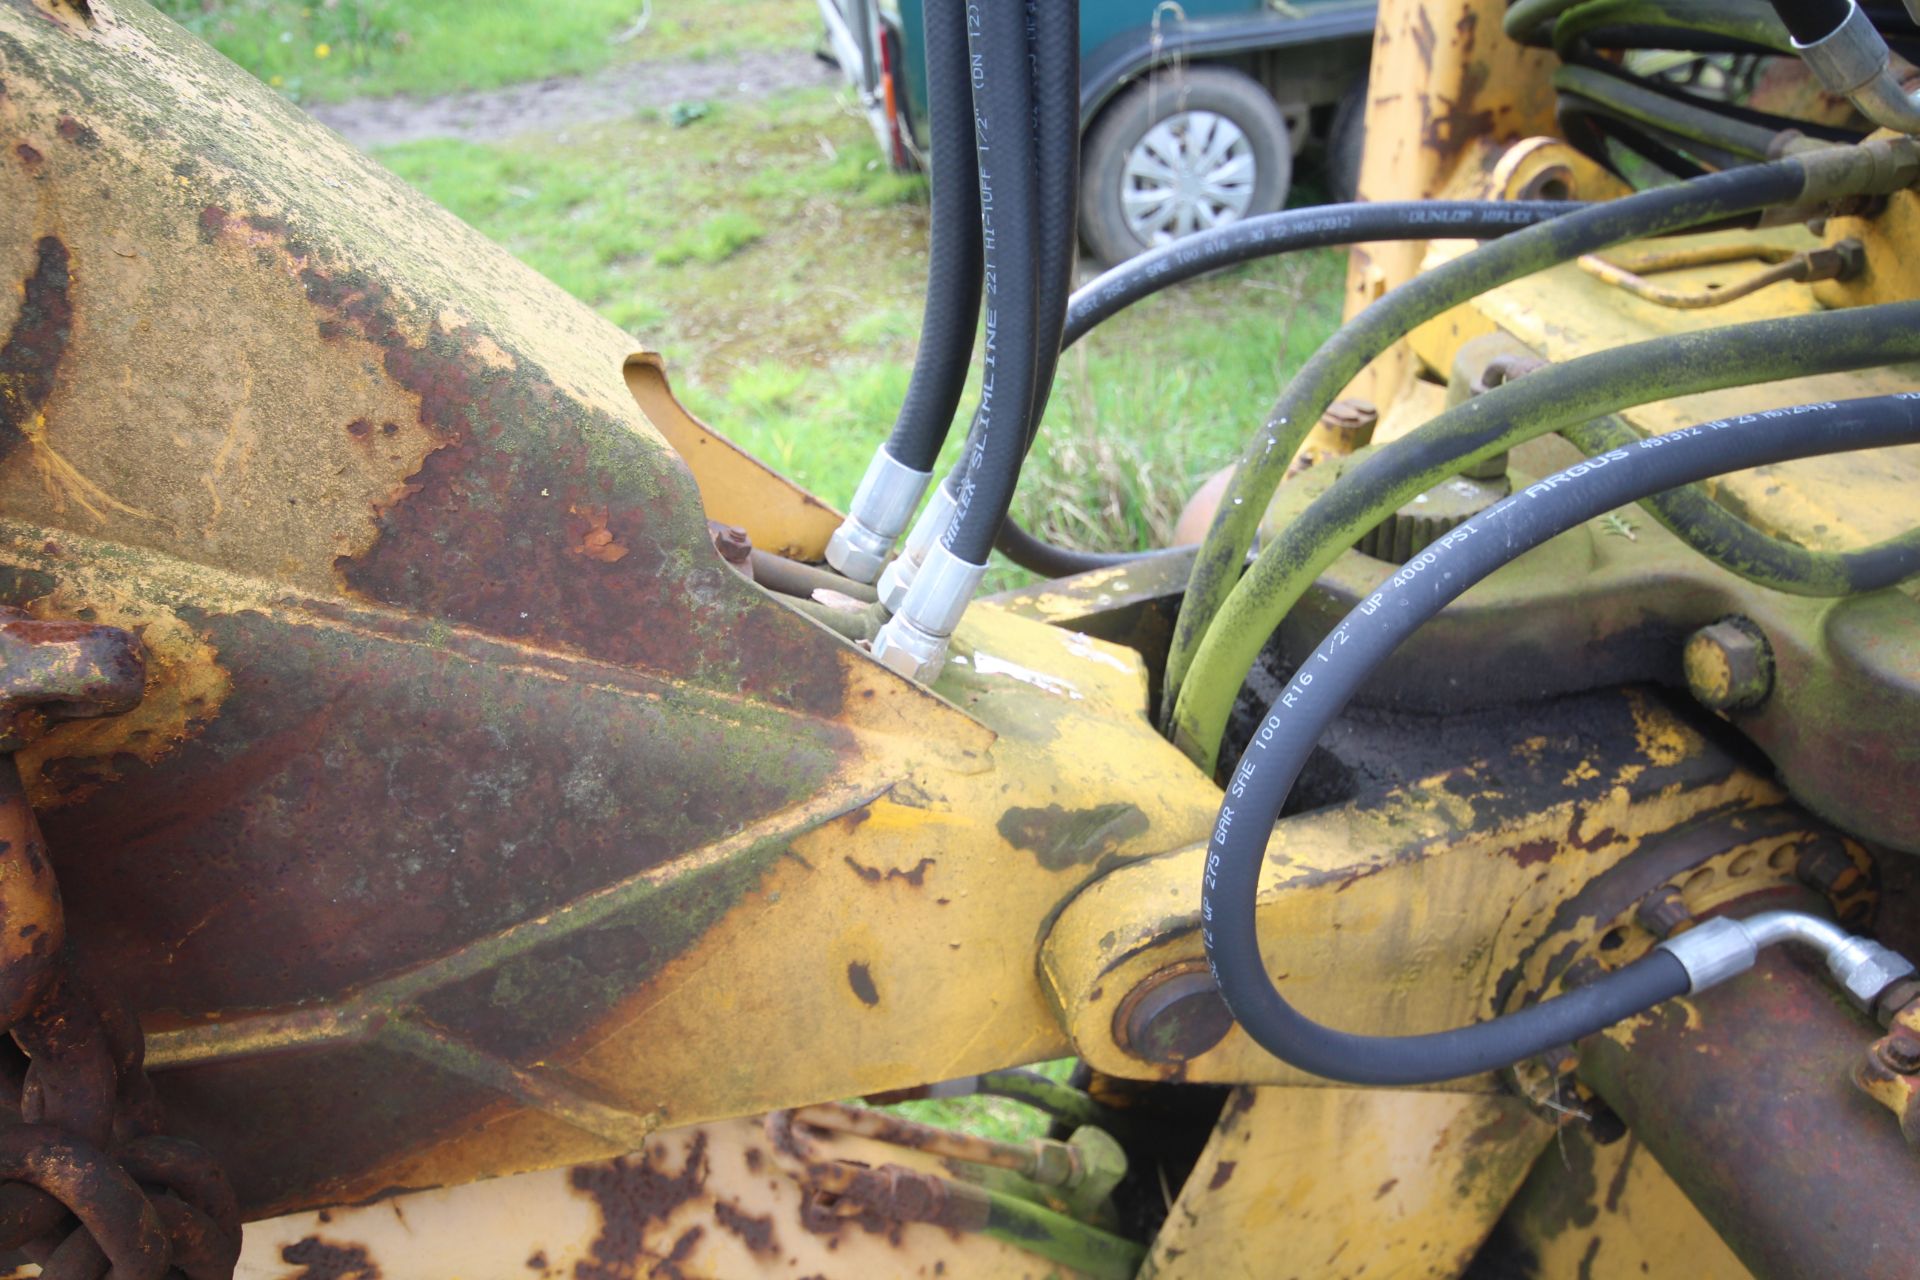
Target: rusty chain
89, 1188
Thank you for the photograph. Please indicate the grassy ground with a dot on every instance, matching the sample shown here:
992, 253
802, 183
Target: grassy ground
327, 50
778, 264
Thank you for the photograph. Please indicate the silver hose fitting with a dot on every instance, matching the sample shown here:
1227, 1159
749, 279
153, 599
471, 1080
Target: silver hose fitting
1852, 60
914, 641
927, 531
877, 516
1717, 949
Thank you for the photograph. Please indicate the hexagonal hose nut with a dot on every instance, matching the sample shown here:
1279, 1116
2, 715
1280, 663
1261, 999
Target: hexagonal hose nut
877, 516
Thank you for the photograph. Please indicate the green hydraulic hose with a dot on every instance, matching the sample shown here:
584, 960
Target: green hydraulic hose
1530, 21
1691, 514
1878, 166
1547, 400
1754, 24
1681, 119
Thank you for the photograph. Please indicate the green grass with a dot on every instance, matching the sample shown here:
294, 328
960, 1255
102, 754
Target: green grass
778, 264
1001, 1119
327, 50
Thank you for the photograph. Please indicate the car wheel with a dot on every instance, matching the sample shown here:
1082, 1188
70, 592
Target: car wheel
1178, 153
1346, 142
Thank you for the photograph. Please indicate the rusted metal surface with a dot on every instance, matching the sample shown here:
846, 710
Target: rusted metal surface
1839, 261
57, 670
1173, 1016
1743, 1095
81, 1143
466, 760
1043, 1160
717, 1201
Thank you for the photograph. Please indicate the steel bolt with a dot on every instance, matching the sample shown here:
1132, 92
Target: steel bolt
1353, 418
1662, 912
1173, 1016
1823, 867
1729, 665
731, 541
1899, 1051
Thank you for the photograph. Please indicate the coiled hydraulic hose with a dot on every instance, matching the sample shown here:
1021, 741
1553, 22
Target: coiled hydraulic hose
1815, 176
1262, 236
953, 251
1330, 677
1003, 106
1508, 415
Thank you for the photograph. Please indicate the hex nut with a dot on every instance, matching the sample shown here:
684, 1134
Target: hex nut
1729, 665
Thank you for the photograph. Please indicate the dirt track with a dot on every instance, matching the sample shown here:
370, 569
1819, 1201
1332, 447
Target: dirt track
548, 106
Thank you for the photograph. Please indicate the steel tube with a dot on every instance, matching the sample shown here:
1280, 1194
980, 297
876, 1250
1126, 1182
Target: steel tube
1743, 1096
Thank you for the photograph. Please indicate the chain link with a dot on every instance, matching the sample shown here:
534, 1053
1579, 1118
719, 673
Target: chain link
88, 1186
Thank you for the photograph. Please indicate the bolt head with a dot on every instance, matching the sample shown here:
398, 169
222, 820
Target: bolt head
1729, 665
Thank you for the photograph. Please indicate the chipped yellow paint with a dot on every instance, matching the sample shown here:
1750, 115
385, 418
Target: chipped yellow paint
705, 1202
735, 487
186, 686
1337, 1184
1395, 916
1447, 92
1564, 312
1611, 1213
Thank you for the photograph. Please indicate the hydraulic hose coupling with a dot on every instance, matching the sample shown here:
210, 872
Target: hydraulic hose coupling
914, 641
881, 508
1717, 949
927, 530
1852, 60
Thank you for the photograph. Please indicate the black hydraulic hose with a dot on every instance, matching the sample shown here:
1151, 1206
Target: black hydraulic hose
953, 253
1322, 227
1354, 649
1262, 236
1692, 515
1264, 461
1056, 95
1003, 110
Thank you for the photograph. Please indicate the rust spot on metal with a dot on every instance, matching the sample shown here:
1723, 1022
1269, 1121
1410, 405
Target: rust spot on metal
633, 1193
755, 1232
538, 1262
860, 978
668, 1268
1222, 1174
321, 1260
359, 428
34, 349
73, 131
29, 155
915, 876
1385, 1187
1532, 852
213, 220
569, 543
1423, 38
1061, 838
596, 541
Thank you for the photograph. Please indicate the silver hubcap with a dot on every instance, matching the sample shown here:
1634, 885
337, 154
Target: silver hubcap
1191, 171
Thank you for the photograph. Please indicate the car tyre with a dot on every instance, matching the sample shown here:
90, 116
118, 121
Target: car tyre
1189, 135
